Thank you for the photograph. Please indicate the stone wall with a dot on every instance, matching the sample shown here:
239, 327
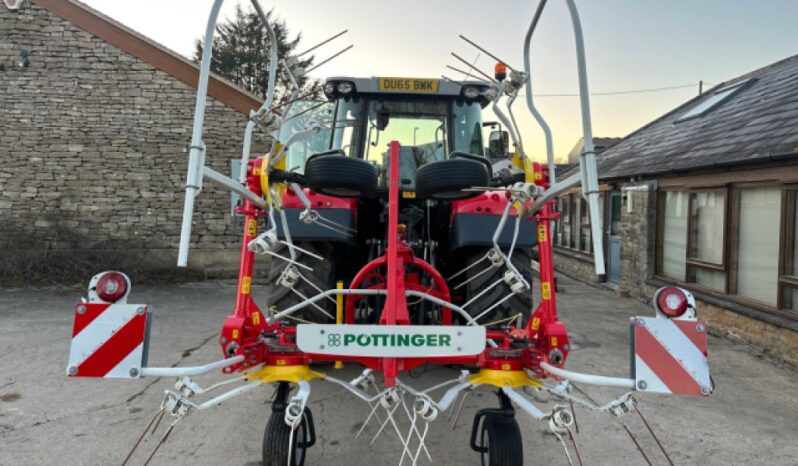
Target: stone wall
638, 231
93, 159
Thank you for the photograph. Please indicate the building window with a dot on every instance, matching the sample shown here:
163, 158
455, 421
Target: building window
740, 243
576, 216
706, 242
573, 227
789, 276
713, 100
757, 249
565, 216
674, 235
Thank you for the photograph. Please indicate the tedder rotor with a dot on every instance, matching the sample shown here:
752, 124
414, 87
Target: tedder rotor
397, 236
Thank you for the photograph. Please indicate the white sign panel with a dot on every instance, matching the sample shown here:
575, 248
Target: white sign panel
401, 341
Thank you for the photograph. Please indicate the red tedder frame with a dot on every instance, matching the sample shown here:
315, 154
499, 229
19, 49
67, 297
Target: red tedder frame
246, 331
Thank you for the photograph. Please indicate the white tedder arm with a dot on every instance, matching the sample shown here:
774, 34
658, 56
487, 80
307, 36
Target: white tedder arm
196, 156
587, 163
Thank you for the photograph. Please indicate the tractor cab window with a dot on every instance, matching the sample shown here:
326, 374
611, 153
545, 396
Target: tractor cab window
419, 126
296, 122
467, 127
347, 127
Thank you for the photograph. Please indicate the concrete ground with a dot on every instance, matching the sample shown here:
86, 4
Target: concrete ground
46, 419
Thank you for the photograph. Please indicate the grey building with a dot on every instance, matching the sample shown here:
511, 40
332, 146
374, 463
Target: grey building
94, 128
705, 197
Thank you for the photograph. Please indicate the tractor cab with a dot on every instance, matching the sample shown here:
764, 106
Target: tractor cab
430, 118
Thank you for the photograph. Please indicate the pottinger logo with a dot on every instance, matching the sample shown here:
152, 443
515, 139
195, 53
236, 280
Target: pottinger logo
365, 340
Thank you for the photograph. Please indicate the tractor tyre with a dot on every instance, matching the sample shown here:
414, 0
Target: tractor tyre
275, 440
501, 438
280, 298
340, 176
446, 179
519, 303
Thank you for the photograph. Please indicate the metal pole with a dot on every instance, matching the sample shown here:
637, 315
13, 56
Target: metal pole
194, 176
529, 100
587, 160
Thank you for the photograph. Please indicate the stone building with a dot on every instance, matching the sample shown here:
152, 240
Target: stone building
706, 197
94, 129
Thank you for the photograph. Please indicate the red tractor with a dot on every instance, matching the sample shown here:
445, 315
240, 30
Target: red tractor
398, 236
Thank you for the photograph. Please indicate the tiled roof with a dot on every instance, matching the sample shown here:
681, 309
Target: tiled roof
757, 123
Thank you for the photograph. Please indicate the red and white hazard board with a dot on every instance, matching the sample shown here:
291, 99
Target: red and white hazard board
670, 356
108, 340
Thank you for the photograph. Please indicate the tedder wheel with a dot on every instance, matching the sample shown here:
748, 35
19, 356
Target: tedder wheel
520, 303
446, 179
501, 441
335, 174
275, 440
280, 297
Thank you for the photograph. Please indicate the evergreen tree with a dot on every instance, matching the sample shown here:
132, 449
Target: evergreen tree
241, 49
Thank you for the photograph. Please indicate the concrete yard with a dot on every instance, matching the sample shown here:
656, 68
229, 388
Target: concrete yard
46, 419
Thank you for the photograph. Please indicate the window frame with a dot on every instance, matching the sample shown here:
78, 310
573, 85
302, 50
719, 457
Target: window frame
693, 263
787, 242
787, 237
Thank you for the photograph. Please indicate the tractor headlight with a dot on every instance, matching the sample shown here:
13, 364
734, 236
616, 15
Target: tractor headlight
471, 92
329, 89
345, 87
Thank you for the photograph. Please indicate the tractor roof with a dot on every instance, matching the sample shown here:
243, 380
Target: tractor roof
401, 85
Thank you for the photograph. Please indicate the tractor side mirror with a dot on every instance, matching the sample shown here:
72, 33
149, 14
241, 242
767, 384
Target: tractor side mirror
498, 144
383, 118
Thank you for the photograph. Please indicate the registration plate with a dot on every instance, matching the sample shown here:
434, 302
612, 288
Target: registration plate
414, 85
401, 341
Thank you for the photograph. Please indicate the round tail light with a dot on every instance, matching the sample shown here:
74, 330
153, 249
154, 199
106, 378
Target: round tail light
111, 286
671, 301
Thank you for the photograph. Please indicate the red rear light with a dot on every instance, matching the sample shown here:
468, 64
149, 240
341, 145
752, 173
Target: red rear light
111, 286
671, 301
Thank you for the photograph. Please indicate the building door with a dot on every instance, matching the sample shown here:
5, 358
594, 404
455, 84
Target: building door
614, 238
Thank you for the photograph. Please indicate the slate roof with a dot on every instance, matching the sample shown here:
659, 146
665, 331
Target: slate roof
756, 124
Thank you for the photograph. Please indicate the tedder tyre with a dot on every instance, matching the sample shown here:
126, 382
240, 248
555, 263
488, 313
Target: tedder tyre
341, 176
275, 440
519, 303
280, 297
446, 179
501, 437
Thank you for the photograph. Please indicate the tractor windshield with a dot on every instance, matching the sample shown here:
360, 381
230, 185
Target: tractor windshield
363, 126
419, 126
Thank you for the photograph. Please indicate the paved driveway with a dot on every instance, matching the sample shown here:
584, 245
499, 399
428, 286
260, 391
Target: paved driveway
46, 419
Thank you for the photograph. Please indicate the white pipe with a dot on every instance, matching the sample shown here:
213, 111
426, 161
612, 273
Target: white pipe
272, 56
588, 378
227, 395
451, 395
529, 100
245, 153
520, 143
587, 161
523, 403
232, 185
505, 121
194, 176
242, 172
553, 191
320, 296
191, 370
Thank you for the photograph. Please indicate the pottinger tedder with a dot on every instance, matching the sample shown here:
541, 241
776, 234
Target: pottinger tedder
390, 256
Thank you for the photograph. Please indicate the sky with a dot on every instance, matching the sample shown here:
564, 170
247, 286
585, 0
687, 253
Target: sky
630, 44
